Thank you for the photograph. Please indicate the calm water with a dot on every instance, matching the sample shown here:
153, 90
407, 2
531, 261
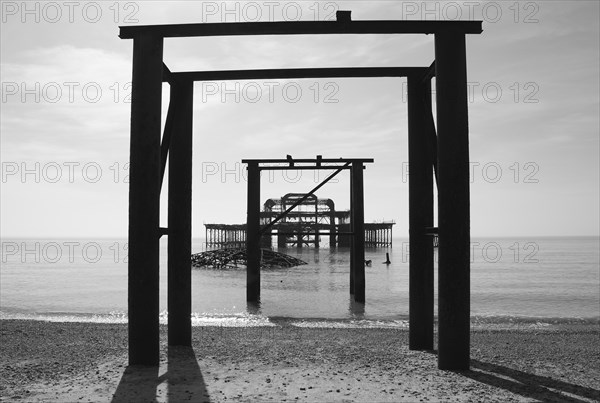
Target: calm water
510, 277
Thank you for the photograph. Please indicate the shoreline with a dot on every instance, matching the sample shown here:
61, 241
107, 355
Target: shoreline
247, 319
54, 361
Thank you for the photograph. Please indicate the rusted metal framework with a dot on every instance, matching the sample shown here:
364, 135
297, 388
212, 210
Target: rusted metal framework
446, 151
301, 227
304, 226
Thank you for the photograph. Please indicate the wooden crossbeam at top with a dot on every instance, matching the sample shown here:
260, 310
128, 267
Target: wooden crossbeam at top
301, 28
307, 160
293, 73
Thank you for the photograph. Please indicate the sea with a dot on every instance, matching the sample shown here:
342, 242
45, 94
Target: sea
518, 279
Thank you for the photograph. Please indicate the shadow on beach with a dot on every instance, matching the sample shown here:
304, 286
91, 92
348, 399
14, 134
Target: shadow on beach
540, 388
528, 385
183, 376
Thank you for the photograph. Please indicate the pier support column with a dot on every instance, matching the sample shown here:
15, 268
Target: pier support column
281, 239
420, 207
253, 235
453, 201
332, 229
180, 216
144, 200
351, 237
358, 225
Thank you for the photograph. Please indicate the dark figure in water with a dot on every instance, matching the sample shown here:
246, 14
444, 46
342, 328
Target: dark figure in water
368, 262
387, 258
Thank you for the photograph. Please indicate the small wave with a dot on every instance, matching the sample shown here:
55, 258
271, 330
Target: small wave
257, 320
352, 324
239, 320
198, 319
112, 317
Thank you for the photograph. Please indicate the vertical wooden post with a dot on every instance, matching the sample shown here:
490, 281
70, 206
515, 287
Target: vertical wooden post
253, 236
453, 201
144, 200
420, 206
179, 295
351, 237
332, 229
358, 218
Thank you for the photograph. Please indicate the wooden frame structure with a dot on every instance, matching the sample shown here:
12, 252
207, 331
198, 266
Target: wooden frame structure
445, 152
357, 220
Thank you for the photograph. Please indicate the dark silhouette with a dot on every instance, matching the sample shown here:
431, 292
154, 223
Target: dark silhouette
449, 154
387, 258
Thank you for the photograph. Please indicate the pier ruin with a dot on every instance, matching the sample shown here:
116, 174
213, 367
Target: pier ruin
302, 227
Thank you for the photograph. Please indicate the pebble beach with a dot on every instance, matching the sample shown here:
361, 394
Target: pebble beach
87, 362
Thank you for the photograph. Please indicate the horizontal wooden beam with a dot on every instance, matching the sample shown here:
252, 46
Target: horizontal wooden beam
307, 233
307, 160
295, 73
301, 28
303, 168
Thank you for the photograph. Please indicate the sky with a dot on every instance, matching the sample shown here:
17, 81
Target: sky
533, 81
